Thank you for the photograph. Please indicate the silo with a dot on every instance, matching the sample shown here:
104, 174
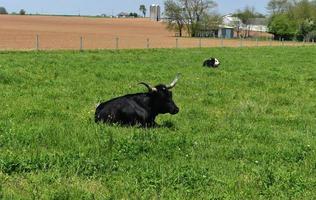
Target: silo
155, 12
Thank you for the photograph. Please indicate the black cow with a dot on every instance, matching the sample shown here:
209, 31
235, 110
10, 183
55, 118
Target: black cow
211, 62
140, 108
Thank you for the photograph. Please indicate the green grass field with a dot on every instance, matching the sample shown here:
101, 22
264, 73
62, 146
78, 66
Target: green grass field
244, 131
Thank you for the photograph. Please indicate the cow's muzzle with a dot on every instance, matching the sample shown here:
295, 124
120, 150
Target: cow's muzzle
174, 111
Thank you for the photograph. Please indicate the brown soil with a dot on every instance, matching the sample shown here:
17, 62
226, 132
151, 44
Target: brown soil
55, 32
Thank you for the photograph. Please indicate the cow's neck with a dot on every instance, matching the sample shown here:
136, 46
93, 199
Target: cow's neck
147, 102
151, 107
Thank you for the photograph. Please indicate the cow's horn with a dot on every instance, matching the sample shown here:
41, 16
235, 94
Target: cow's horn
150, 88
174, 82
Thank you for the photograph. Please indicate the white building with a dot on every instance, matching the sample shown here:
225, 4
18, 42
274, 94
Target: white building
256, 24
229, 20
155, 12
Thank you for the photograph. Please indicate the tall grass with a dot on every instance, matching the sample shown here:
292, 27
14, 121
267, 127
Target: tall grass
244, 131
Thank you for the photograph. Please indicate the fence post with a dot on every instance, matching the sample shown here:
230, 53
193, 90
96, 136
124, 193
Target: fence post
81, 43
37, 42
176, 42
117, 43
147, 43
257, 42
200, 42
240, 42
222, 42
282, 41
270, 42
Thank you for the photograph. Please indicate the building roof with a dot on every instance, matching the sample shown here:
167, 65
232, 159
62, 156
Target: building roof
231, 17
258, 21
230, 20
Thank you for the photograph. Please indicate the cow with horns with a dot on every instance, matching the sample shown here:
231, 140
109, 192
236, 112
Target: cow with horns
139, 109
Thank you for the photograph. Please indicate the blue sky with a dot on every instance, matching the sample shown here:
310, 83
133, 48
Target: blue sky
96, 7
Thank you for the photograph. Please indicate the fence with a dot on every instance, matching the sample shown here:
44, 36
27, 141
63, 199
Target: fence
81, 42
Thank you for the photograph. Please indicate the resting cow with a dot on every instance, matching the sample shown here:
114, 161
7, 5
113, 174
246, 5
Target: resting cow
211, 62
138, 109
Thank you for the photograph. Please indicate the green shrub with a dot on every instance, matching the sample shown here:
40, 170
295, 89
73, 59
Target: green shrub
311, 36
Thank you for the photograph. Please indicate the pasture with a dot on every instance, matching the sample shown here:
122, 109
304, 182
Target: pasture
244, 131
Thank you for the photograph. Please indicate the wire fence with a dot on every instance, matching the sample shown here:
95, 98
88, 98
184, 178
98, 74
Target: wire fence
93, 41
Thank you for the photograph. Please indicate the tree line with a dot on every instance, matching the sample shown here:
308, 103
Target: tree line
287, 19
3, 11
290, 19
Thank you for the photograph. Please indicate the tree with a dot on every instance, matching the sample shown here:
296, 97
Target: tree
175, 16
211, 23
22, 12
237, 25
133, 14
297, 19
3, 11
282, 27
311, 36
142, 9
302, 10
278, 6
194, 11
246, 15
190, 13
303, 13
305, 28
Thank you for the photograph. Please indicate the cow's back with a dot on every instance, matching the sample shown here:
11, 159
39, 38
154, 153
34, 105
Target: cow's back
119, 110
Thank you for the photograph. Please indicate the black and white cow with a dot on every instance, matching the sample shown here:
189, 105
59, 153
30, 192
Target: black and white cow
140, 108
211, 62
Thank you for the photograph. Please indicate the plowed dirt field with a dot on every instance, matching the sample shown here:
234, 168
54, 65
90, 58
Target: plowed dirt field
57, 32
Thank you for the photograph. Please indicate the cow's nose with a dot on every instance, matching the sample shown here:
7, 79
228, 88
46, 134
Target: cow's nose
175, 111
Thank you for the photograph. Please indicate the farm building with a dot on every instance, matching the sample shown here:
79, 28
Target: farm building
221, 31
225, 31
123, 15
255, 24
229, 20
233, 27
155, 12
258, 24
